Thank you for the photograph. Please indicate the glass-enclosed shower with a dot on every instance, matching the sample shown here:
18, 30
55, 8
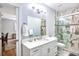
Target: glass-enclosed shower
67, 32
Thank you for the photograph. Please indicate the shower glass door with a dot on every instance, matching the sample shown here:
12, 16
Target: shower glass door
67, 32
63, 30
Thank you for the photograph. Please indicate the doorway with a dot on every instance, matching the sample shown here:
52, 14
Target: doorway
8, 25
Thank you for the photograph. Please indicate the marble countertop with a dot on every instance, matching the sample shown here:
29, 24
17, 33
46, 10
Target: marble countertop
34, 44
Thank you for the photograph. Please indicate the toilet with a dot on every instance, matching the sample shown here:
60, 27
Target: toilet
60, 47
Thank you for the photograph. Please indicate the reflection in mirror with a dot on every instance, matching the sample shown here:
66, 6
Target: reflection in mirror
37, 26
43, 27
25, 30
34, 25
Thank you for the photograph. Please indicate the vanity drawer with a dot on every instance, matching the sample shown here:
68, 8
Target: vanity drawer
35, 51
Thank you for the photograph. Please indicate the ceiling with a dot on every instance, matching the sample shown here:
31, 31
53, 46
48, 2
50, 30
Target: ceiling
61, 6
7, 8
7, 11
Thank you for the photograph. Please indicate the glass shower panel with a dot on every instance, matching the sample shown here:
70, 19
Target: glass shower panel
63, 30
63, 35
67, 31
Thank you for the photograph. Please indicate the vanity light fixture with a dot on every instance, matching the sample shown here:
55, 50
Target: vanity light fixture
38, 9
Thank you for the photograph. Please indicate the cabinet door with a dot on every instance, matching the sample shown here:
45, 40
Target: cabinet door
52, 51
52, 48
45, 49
49, 49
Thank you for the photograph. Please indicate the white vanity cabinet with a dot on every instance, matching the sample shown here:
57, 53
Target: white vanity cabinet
41, 48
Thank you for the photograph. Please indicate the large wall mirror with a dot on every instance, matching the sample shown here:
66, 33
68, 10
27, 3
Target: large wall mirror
34, 27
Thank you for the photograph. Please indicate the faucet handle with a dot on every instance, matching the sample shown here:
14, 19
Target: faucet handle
34, 39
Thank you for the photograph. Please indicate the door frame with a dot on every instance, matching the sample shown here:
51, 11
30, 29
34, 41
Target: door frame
18, 28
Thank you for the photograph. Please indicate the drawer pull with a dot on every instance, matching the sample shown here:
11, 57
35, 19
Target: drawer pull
36, 50
48, 50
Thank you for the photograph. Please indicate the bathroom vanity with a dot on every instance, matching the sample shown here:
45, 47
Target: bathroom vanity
42, 47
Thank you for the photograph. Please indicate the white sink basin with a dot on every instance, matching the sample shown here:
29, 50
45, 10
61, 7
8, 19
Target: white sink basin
32, 44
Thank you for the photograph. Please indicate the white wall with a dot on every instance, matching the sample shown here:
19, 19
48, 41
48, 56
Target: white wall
50, 23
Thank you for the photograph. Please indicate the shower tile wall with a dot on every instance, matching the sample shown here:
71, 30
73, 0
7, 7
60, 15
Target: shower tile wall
68, 11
